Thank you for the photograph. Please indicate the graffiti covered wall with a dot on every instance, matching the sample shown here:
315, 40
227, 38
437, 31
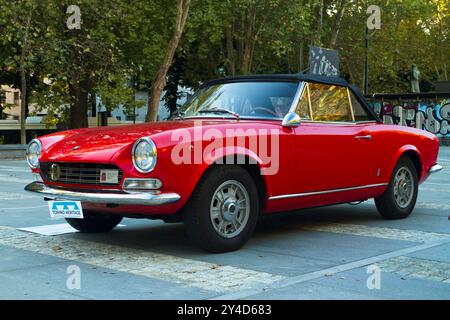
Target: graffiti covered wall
432, 115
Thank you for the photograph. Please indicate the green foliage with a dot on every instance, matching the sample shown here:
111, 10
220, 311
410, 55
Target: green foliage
411, 32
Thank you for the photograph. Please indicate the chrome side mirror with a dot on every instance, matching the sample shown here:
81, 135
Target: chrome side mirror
291, 120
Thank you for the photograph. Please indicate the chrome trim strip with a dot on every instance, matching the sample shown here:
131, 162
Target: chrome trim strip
309, 102
337, 122
435, 168
231, 118
137, 198
350, 104
279, 119
285, 196
298, 95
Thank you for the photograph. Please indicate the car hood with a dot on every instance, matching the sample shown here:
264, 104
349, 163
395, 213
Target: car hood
101, 144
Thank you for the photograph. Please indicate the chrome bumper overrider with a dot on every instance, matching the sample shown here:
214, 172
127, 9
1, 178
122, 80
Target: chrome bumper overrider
137, 198
435, 168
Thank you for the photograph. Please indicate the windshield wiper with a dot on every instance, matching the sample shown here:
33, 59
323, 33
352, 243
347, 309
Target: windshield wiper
219, 110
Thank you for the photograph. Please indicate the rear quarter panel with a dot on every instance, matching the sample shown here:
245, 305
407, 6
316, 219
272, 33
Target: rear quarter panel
390, 142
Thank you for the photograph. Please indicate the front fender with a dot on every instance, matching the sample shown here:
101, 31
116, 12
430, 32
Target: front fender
230, 156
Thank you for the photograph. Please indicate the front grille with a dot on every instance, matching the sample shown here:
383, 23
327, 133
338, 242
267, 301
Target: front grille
78, 173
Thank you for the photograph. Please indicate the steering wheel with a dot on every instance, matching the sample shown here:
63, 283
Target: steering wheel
266, 110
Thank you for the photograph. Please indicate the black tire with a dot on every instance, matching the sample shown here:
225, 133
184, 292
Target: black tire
95, 222
387, 204
197, 219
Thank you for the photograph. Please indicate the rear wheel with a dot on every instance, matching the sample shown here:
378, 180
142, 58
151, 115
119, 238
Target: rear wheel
95, 222
399, 199
223, 211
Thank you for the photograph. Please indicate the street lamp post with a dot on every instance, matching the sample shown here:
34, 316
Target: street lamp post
366, 65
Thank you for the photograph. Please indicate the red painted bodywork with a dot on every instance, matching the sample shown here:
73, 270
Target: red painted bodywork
312, 157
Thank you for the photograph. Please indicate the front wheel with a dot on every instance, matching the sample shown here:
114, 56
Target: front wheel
95, 222
223, 211
399, 199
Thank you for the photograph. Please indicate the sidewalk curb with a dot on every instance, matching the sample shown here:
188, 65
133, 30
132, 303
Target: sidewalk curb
12, 151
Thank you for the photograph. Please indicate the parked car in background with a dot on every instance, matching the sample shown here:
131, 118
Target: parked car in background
238, 149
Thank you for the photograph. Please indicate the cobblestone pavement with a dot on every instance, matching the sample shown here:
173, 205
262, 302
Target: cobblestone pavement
321, 253
418, 268
377, 232
208, 276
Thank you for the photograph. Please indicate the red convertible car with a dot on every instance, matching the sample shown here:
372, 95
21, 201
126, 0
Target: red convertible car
239, 148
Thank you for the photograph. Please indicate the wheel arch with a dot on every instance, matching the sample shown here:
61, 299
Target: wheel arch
251, 164
414, 155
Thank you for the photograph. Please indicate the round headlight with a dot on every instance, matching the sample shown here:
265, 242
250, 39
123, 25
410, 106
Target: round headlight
144, 155
33, 153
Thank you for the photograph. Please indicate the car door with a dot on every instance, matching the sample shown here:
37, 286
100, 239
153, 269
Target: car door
332, 150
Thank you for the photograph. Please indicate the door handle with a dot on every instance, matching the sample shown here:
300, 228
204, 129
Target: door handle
365, 137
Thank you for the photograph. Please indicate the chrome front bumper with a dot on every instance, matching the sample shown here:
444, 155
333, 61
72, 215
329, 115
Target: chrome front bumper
435, 168
137, 198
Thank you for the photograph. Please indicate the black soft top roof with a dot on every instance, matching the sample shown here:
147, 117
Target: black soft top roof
299, 77
282, 77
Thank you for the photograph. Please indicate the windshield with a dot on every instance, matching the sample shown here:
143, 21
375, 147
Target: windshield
270, 100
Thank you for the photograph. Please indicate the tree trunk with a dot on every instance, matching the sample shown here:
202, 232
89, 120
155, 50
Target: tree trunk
230, 52
337, 23
160, 79
248, 41
300, 57
23, 99
173, 82
27, 98
318, 37
78, 111
93, 103
240, 43
351, 72
23, 80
